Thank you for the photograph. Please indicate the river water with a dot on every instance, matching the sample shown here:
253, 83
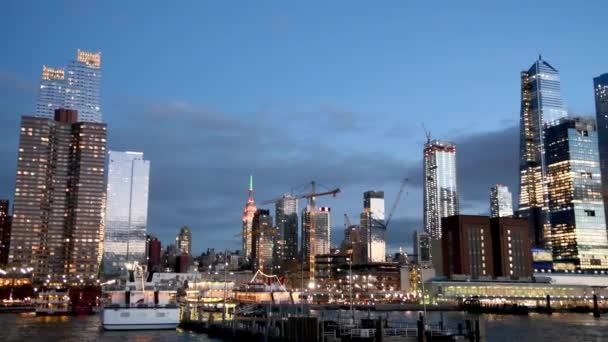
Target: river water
536, 327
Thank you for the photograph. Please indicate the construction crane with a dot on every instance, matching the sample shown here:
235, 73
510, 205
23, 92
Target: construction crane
384, 223
312, 208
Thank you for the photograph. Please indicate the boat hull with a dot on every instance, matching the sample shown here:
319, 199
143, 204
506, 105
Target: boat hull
140, 318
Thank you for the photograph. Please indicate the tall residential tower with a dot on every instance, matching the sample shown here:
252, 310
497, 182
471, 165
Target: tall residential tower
440, 187
126, 210
372, 226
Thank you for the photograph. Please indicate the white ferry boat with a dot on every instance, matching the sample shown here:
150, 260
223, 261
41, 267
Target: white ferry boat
138, 306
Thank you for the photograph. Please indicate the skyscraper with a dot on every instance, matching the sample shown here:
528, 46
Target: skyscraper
248, 213
59, 197
600, 87
126, 210
286, 213
576, 209
372, 226
501, 201
323, 231
78, 88
5, 231
183, 241
51, 94
263, 238
440, 186
541, 105
83, 91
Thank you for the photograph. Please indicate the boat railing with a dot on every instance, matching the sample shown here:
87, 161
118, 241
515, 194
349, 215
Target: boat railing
141, 306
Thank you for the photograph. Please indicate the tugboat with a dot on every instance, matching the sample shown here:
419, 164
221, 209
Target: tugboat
138, 306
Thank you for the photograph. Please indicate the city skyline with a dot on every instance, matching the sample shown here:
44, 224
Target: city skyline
383, 92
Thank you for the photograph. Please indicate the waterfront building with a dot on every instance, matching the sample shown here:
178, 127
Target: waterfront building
440, 186
373, 227
576, 208
83, 83
263, 238
248, 213
600, 88
501, 201
59, 198
286, 214
126, 210
422, 248
541, 105
51, 94
511, 249
153, 253
467, 246
183, 241
5, 231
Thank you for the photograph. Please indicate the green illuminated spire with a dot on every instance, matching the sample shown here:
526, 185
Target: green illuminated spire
250, 182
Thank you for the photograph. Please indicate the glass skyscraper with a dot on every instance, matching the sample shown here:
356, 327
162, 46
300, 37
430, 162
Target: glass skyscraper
600, 87
286, 213
541, 105
372, 226
576, 209
440, 186
78, 88
501, 201
126, 210
316, 239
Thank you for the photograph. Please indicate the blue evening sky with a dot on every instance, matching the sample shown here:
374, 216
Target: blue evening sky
214, 90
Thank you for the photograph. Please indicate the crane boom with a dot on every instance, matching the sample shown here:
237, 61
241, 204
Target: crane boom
396, 203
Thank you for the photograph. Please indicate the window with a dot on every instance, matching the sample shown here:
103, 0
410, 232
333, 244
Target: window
590, 212
586, 175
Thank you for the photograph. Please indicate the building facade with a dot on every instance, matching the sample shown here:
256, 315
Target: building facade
316, 238
440, 186
286, 214
126, 210
248, 213
501, 201
59, 197
576, 208
373, 227
511, 248
153, 254
600, 87
422, 248
183, 241
541, 105
5, 231
467, 246
51, 94
263, 240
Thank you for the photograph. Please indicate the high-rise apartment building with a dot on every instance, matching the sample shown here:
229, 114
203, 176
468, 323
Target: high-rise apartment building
501, 201
440, 186
126, 211
59, 197
323, 231
576, 208
77, 88
600, 87
286, 213
264, 235
422, 248
5, 231
372, 226
183, 241
541, 105
51, 94
248, 213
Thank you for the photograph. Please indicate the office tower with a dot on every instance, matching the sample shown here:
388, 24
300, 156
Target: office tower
320, 240
600, 87
5, 231
512, 253
501, 201
153, 253
169, 255
576, 208
83, 86
263, 237
183, 241
372, 225
467, 246
440, 187
51, 94
286, 213
248, 213
422, 248
126, 211
59, 197
541, 105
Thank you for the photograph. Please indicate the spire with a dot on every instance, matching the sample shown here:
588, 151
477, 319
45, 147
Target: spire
540, 57
250, 198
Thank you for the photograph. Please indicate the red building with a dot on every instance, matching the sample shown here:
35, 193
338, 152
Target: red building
154, 254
